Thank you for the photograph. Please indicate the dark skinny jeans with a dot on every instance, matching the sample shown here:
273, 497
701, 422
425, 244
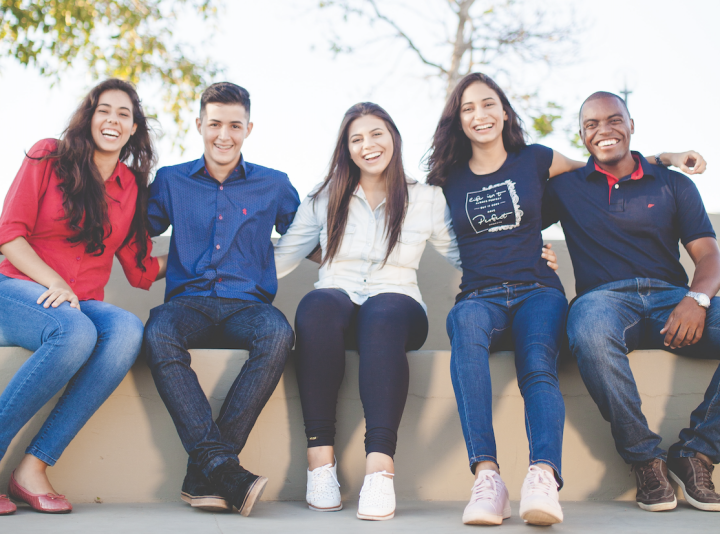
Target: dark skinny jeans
384, 328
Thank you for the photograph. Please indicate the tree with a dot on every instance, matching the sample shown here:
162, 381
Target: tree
452, 38
129, 39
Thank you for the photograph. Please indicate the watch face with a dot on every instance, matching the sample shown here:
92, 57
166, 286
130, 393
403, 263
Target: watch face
703, 300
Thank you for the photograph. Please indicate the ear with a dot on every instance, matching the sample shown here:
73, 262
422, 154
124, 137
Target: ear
198, 123
582, 136
632, 126
505, 115
133, 129
249, 129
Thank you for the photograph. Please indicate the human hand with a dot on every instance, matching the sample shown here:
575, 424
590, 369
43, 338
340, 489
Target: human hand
689, 162
550, 256
685, 325
56, 294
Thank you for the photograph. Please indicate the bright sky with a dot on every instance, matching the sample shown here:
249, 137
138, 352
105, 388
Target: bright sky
666, 51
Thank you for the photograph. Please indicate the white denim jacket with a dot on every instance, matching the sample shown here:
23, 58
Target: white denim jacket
357, 267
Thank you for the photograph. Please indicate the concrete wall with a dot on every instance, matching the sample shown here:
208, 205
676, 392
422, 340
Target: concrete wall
130, 452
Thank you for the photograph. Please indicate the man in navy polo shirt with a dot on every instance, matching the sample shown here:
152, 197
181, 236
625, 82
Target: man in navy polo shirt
623, 219
221, 282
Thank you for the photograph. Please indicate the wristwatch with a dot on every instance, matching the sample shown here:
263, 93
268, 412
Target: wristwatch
701, 298
660, 162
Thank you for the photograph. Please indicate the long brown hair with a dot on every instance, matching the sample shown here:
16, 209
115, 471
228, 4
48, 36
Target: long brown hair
450, 146
344, 176
83, 188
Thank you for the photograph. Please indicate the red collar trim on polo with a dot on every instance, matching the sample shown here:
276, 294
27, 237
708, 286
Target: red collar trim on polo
612, 180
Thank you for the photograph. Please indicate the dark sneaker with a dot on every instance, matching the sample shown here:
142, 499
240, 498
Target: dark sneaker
199, 493
654, 492
694, 476
239, 486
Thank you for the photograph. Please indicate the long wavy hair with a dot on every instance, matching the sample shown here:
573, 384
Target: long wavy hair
84, 196
344, 176
450, 146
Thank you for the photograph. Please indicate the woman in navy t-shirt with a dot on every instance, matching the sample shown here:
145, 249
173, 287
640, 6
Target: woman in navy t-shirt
494, 182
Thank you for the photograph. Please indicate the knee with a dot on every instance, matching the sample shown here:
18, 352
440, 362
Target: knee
585, 333
76, 329
127, 336
320, 307
467, 324
157, 340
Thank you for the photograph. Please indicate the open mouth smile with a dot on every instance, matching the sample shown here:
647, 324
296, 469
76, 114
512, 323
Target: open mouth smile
373, 156
483, 127
608, 142
109, 134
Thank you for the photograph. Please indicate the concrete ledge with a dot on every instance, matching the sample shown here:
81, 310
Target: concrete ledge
129, 451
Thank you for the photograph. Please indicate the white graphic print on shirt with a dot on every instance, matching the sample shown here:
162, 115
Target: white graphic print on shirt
494, 208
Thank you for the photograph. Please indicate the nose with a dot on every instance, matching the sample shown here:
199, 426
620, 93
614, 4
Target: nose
224, 132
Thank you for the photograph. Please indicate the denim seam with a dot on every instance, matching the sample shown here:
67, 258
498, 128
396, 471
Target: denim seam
40, 455
712, 404
529, 431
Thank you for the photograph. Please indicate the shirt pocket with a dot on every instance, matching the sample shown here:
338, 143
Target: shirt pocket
347, 242
408, 250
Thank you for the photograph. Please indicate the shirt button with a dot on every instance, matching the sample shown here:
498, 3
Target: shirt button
219, 279
617, 186
220, 217
78, 258
217, 247
72, 280
221, 188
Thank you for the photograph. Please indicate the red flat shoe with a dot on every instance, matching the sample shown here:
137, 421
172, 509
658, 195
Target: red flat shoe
6, 507
49, 503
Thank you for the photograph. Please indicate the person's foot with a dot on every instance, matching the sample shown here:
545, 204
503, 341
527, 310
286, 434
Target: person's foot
489, 502
539, 502
238, 486
694, 476
377, 497
6, 505
323, 489
198, 492
31, 475
654, 492
49, 503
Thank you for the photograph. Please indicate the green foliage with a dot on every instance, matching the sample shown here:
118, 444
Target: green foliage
129, 39
543, 121
576, 141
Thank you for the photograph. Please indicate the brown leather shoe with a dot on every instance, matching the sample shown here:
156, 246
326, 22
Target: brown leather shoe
694, 476
654, 492
49, 503
6, 506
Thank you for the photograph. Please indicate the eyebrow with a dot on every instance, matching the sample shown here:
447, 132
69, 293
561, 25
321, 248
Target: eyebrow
483, 100
219, 120
622, 116
108, 105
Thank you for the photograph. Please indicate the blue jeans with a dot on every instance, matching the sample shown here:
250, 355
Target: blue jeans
607, 323
532, 316
194, 322
90, 350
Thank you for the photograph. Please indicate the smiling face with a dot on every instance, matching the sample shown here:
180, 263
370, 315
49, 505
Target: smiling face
112, 122
371, 145
481, 114
605, 128
224, 128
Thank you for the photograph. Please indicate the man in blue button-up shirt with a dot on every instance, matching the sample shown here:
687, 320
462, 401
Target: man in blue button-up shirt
221, 282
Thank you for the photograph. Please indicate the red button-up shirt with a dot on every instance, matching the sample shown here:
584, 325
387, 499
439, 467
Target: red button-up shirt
33, 209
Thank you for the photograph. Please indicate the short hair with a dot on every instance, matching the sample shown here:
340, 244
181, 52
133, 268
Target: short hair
602, 94
225, 93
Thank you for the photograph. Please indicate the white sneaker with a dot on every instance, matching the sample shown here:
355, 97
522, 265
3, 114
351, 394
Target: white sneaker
489, 503
539, 503
377, 497
323, 489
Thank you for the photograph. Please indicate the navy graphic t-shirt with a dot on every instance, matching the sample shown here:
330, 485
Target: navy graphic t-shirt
497, 218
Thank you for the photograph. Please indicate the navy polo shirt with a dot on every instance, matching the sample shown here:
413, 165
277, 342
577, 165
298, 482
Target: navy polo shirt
627, 228
220, 244
497, 218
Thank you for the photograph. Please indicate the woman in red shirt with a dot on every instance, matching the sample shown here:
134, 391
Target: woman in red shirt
75, 204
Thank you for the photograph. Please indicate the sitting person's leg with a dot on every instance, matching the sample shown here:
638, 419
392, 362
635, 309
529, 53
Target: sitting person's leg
474, 325
691, 458
538, 331
322, 320
388, 325
604, 325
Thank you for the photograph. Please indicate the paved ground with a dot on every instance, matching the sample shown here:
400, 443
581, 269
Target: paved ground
281, 517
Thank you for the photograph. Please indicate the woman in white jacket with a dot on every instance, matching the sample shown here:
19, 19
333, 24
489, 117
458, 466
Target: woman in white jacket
372, 223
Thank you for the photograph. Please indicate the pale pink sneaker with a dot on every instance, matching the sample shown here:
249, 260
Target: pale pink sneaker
539, 501
489, 503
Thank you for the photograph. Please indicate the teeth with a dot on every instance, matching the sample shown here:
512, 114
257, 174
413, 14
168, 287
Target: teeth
111, 133
483, 127
608, 142
373, 155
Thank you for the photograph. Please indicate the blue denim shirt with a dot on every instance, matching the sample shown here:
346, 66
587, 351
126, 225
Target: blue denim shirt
220, 244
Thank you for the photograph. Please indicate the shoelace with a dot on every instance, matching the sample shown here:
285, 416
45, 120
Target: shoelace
374, 479
327, 468
55, 496
648, 473
539, 481
704, 475
485, 488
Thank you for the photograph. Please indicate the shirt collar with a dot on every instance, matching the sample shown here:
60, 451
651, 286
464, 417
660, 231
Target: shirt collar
239, 172
643, 169
122, 175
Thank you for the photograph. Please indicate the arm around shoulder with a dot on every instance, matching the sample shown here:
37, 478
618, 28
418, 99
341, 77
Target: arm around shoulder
443, 236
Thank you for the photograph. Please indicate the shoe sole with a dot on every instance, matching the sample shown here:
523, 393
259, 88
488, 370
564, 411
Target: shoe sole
708, 507
255, 492
540, 517
659, 507
210, 503
331, 509
376, 517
